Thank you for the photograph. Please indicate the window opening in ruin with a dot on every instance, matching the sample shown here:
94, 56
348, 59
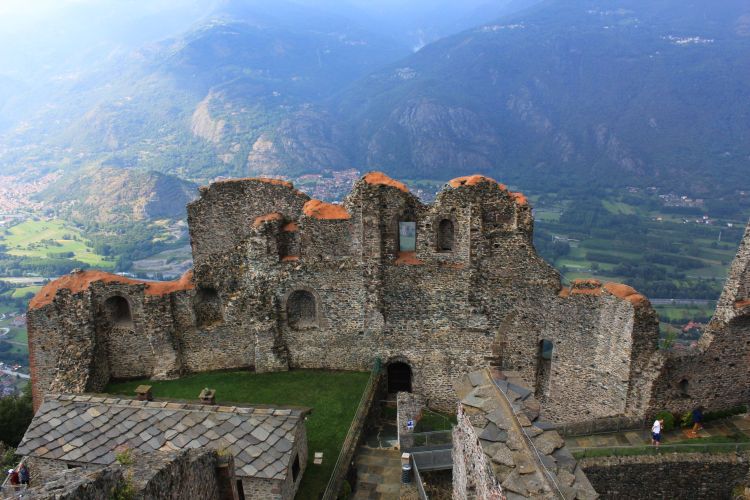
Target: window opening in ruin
295, 469
399, 377
207, 307
543, 367
684, 388
445, 236
300, 310
240, 490
407, 236
118, 311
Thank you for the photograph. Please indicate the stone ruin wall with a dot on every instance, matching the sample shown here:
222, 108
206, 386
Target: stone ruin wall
673, 475
257, 242
196, 473
472, 473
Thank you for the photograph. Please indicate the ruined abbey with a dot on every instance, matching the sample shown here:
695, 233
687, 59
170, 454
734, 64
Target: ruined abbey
436, 291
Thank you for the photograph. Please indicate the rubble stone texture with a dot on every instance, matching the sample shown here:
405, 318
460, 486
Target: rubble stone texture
282, 281
502, 449
164, 475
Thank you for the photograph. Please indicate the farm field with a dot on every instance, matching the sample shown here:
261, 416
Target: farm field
44, 239
630, 238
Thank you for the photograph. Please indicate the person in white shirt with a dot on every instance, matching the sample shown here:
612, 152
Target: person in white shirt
656, 432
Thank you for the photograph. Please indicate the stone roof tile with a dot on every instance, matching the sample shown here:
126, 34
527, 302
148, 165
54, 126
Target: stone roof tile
88, 429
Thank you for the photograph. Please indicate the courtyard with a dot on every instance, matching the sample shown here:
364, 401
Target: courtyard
333, 396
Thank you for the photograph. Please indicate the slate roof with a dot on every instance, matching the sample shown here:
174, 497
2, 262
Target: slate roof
87, 429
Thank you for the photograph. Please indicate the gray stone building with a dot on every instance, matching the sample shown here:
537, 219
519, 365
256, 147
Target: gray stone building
269, 445
282, 281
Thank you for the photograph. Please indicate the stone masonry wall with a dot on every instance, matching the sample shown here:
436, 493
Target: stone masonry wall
681, 475
177, 475
472, 474
447, 308
408, 407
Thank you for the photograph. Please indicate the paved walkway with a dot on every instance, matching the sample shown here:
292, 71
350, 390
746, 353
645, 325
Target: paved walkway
378, 474
729, 427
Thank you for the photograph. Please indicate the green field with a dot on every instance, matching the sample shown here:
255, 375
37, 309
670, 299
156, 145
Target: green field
25, 291
632, 238
333, 396
681, 314
45, 238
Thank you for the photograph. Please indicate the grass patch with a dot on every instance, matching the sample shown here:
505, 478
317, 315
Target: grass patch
41, 238
434, 421
334, 397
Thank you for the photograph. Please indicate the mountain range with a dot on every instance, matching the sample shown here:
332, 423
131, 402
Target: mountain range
574, 92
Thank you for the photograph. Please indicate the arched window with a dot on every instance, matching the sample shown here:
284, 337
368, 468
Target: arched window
445, 236
117, 310
543, 367
301, 310
207, 307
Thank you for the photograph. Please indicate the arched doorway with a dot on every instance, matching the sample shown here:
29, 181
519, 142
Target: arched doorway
117, 311
399, 377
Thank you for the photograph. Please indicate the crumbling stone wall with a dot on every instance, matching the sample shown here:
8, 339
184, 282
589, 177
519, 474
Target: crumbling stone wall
177, 475
473, 476
408, 407
446, 308
672, 475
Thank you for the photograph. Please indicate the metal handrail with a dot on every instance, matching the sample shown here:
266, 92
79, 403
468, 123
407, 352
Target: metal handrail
418, 480
336, 479
648, 449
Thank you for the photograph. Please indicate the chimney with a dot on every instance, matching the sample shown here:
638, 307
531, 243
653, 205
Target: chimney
208, 396
143, 393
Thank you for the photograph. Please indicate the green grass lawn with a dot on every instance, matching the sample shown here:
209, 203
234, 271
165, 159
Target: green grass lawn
333, 396
30, 239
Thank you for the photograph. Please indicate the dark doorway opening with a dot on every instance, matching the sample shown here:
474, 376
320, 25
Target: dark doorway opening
118, 311
399, 377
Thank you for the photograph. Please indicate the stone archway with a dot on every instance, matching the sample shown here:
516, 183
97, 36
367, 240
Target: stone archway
399, 377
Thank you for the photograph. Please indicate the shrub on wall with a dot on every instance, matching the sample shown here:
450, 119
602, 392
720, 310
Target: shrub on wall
687, 419
668, 420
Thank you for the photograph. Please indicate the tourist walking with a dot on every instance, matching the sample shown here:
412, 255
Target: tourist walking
697, 419
23, 474
14, 480
656, 432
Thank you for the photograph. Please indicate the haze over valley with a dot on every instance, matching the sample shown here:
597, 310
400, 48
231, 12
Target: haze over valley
626, 122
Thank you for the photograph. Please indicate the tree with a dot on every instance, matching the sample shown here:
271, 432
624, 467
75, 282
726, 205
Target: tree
15, 414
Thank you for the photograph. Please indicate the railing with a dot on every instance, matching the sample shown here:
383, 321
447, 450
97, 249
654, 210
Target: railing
624, 451
429, 439
418, 480
437, 459
604, 425
349, 447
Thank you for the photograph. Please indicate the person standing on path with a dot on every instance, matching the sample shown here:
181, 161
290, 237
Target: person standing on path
697, 419
656, 432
